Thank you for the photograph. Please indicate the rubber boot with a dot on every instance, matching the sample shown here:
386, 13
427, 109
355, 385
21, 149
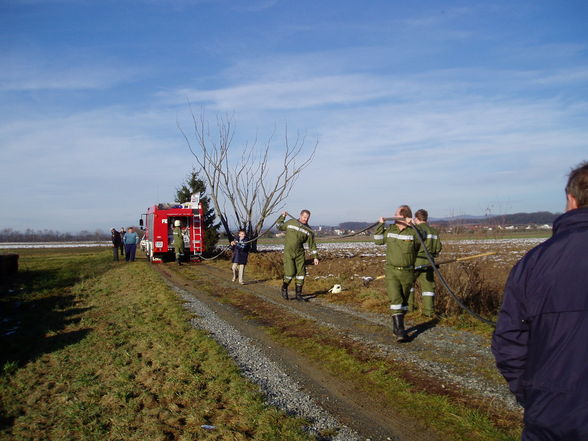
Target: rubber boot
285, 291
299, 293
398, 327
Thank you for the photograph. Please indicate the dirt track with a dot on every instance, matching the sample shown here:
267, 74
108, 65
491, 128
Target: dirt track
437, 359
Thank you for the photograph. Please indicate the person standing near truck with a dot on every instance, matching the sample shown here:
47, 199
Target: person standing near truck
297, 234
122, 243
130, 240
178, 241
116, 242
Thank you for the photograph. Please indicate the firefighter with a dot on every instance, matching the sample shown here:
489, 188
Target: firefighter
426, 277
297, 233
402, 247
178, 241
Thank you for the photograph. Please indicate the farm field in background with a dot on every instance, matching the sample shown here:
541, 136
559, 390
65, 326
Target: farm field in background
478, 282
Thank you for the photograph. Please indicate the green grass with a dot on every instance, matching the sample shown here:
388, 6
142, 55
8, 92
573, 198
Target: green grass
104, 351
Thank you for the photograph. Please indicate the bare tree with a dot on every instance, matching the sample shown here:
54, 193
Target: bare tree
244, 187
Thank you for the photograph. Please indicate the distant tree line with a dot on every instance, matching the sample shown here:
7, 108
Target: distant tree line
537, 218
30, 235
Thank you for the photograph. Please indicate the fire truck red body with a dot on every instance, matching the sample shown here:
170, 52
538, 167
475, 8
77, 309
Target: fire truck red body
159, 224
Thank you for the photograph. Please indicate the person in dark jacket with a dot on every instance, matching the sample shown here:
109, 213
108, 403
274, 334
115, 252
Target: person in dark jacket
240, 254
541, 337
122, 242
116, 242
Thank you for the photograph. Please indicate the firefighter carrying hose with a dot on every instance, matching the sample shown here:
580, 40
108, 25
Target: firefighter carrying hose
426, 277
402, 247
178, 241
297, 233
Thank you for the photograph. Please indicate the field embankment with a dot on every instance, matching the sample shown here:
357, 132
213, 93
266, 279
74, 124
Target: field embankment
95, 350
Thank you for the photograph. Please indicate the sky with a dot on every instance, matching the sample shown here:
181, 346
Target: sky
459, 107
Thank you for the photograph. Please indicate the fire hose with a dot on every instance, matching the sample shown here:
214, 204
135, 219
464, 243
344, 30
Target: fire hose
227, 247
368, 280
442, 279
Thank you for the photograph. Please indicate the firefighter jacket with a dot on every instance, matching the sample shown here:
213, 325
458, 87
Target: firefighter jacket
431, 239
541, 337
297, 234
178, 241
402, 247
240, 251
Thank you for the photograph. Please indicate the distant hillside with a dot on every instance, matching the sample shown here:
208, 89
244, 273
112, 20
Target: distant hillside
355, 226
538, 218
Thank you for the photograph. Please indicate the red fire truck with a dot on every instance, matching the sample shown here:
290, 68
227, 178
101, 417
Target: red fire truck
159, 224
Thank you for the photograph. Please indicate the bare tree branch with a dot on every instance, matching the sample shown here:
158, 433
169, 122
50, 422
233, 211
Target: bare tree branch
245, 184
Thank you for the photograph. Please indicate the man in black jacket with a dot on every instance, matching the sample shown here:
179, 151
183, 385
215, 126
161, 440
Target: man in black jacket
541, 338
116, 242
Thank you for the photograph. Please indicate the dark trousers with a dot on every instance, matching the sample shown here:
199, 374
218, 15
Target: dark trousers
122, 249
130, 249
115, 252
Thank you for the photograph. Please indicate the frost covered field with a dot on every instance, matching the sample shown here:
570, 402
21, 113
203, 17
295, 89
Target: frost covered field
27, 245
507, 250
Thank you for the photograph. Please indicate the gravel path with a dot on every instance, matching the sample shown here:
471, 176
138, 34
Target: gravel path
279, 388
454, 360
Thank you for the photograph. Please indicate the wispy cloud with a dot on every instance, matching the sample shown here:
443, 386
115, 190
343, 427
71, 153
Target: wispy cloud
91, 164
27, 73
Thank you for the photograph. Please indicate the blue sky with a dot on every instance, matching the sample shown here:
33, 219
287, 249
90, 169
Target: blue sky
460, 107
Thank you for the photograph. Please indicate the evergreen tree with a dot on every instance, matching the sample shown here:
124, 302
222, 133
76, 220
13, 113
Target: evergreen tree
195, 185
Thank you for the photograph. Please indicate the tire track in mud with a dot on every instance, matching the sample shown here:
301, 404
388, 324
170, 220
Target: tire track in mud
371, 330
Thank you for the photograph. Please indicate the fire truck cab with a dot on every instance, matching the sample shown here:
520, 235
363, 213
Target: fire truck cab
159, 223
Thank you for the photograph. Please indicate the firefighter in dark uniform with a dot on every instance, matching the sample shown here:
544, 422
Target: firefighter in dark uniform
426, 276
297, 234
178, 241
402, 247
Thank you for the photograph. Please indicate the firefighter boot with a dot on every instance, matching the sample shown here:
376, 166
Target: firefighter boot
398, 327
299, 293
285, 291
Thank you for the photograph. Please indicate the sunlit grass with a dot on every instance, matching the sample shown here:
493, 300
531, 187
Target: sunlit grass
104, 350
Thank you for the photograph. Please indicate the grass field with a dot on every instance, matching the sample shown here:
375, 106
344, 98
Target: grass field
479, 283
98, 350
101, 350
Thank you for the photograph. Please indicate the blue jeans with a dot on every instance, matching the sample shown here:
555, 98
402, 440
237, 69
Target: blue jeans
130, 249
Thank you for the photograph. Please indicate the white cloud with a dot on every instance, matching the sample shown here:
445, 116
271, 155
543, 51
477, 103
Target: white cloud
30, 73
